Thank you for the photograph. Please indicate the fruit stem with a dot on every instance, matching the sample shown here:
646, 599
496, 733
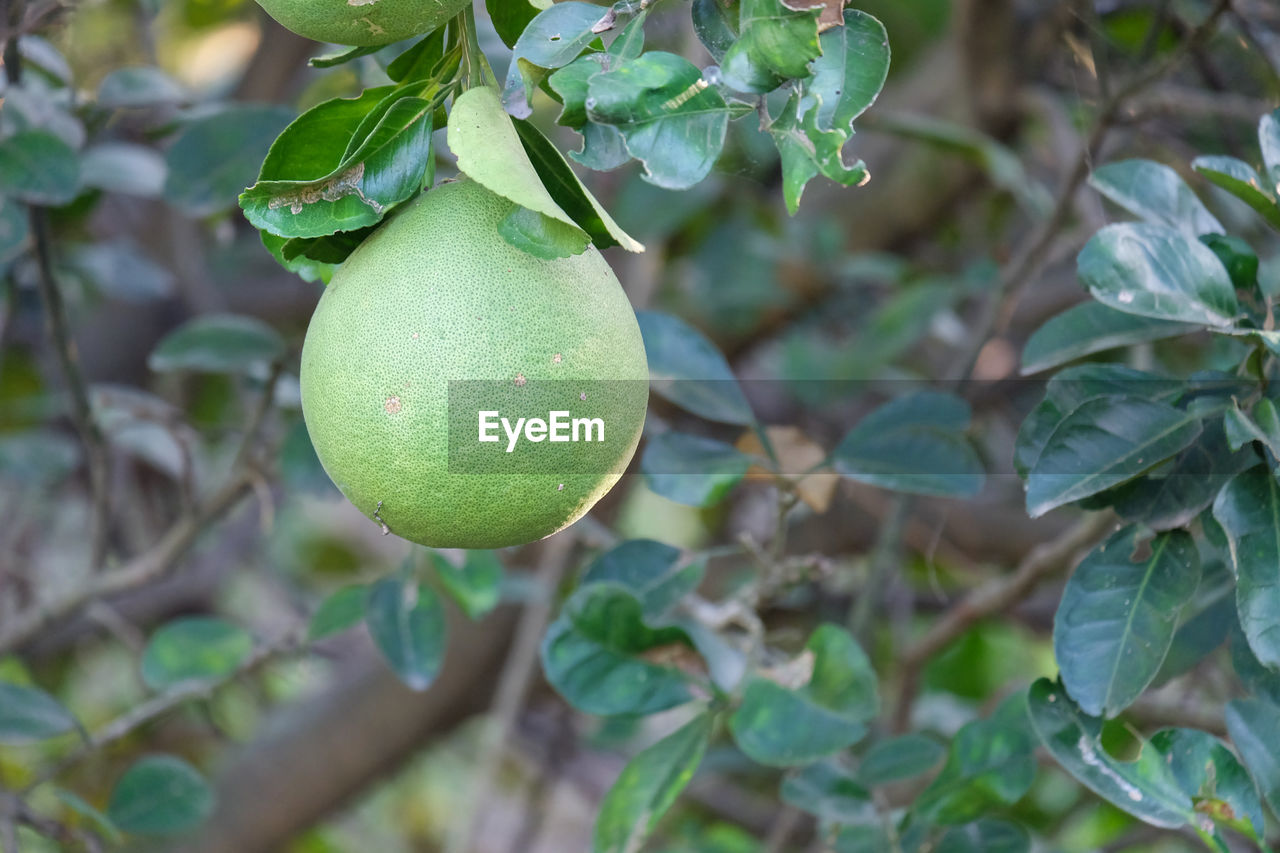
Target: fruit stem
476, 67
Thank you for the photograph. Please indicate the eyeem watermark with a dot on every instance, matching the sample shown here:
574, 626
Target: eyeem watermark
558, 426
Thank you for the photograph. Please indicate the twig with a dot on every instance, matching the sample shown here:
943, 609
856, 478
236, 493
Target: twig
998, 309
513, 686
994, 597
146, 567
163, 704
883, 557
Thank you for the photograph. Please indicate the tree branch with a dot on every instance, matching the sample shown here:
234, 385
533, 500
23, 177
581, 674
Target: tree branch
994, 597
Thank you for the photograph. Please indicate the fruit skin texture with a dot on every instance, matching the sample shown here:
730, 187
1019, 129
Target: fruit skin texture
435, 295
367, 23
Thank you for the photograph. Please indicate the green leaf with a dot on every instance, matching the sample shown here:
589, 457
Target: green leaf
1248, 508
196, 648
1238, 258
476, 585
13, 228
1210, 775
688, 370
630, 42
807, 151
407, 622
691, 469
1155, 271
1263, 426
1254, 726
160, 795
774, 38
1204, 623
782, 726
384, 160
554, 38
1269, 142
592, 653
121, 167
307, 268
39, 168
1155, 193
1089, 328
1117, 617
656, 574
716, 25
342, 57
219, 343
1145, 788
1239, 179
1256, 678
28, 714
511, 17
914, 444
568, 192
120, 270
1102, 443
987, 835
426, 60
829, 790
672, 120
341, 610
489, 152
139, 86
851, 71
990, 762
98, 821
647, 787
542, 236
216, 155
895, 758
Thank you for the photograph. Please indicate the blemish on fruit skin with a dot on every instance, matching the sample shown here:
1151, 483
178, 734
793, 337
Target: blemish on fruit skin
377, 516
414, 336
560, 488
361, 2
583, 396
520, 380
557, 358
392, 406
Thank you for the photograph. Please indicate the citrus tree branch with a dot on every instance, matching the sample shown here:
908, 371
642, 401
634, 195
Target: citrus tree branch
993, 597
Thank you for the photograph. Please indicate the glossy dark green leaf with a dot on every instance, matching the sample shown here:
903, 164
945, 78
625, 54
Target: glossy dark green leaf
13, 228
425, 60
122, 167
1209, 773
1248, 509
1117, 617
380, 166
990, 763
592, 653
219, 343
692, 469
807, 151
552, 39
688, 370
1239, 179
1262, 424
139, 86
38, 167
570, 193
776, 38
829, 790
783, 726
341, 610
673, 122
1254, 726
715, 22
851, 71
914, 444
1089, 328
511, 17
28, 714
342, 57
988, 835
407, 622
647, 787
571, 84
195, 648
1145, 787
490, 152
542, 236
1204, 623
1155, 193
891, 759
216, 155
1102, 443
1256, 678
160, 795
657, 574
1237, 257
1155, 271
307, 268
476, 585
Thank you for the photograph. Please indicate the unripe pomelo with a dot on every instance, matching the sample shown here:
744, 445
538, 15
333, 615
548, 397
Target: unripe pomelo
362, 22
435, 318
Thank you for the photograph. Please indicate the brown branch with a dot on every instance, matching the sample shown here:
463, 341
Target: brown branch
1029, 259
994, 597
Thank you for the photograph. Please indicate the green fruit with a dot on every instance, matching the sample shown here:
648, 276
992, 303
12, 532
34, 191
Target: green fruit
435, 318
362, 22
